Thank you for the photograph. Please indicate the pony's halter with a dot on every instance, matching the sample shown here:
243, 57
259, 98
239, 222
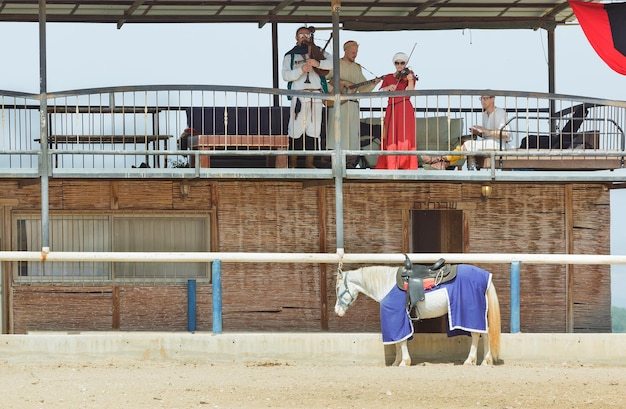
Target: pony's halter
346, 304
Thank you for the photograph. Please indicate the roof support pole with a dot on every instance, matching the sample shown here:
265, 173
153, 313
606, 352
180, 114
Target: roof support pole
275, 61
43, 123
338, 162
551, 60
551, 75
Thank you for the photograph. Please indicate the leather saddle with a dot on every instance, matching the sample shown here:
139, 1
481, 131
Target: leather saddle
414, 278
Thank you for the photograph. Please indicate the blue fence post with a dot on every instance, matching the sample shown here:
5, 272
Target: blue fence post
515, 297
216, 272
191, 305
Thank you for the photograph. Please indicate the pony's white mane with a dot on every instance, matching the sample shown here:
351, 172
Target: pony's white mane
374, 281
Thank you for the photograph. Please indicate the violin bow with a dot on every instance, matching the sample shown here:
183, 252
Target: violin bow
327, 42
411, 54
311, 45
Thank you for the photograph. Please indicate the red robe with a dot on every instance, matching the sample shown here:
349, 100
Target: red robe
399, 129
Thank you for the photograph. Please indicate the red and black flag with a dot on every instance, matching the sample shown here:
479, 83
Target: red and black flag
604, 24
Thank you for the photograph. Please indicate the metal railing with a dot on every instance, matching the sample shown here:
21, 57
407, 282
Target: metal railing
151, 131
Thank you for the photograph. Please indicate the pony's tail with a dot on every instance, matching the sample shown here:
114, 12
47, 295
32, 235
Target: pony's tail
493, 320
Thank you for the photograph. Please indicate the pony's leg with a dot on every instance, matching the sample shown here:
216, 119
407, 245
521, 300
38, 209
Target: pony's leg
402, 354
406, 358
487, 358
398, 359
472, 357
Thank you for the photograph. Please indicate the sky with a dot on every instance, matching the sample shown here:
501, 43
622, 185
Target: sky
100, 55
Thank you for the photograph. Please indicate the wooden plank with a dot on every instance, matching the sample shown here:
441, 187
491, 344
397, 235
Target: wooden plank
214, 142
249, 141
115, 320
569, 249
557, 162
323, 280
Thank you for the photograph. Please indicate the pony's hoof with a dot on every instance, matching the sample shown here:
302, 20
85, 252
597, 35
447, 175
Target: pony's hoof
469, 362
405, 363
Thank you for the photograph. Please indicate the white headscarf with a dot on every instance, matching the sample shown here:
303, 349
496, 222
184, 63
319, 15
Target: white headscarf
400, 57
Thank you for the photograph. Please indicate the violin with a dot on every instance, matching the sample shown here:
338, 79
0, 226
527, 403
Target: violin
403, 74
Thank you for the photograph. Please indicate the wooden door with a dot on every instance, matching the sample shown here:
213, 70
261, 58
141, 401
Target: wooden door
436, 231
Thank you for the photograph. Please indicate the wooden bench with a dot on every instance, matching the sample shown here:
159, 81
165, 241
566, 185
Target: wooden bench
249, 142
238, 128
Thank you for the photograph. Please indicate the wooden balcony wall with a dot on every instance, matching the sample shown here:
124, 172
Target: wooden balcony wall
292, 216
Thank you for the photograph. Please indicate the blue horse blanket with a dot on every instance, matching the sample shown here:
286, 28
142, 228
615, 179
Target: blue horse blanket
467, 306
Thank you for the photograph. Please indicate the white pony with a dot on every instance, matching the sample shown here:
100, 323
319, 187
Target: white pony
378, 281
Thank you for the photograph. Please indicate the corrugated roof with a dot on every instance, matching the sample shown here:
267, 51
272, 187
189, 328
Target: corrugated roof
366, 15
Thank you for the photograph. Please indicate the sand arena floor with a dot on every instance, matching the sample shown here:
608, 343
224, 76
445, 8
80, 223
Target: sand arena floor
273, 384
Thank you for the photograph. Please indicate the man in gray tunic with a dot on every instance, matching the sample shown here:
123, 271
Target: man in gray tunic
351, 81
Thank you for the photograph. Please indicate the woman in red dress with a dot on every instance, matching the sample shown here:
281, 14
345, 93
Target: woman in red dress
399, 124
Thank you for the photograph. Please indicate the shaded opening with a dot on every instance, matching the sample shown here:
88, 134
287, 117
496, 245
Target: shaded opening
436, 231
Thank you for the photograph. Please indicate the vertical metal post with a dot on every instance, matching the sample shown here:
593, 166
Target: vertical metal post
43, 130
339, 166
216, 273
552, 75
191, 305
275, 62
515, 297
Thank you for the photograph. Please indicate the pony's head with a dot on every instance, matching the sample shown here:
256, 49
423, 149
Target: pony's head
347, 293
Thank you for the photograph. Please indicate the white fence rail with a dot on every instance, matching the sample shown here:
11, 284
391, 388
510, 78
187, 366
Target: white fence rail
321, 258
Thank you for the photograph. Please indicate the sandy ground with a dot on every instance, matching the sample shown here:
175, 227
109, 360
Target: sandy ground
152, 384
